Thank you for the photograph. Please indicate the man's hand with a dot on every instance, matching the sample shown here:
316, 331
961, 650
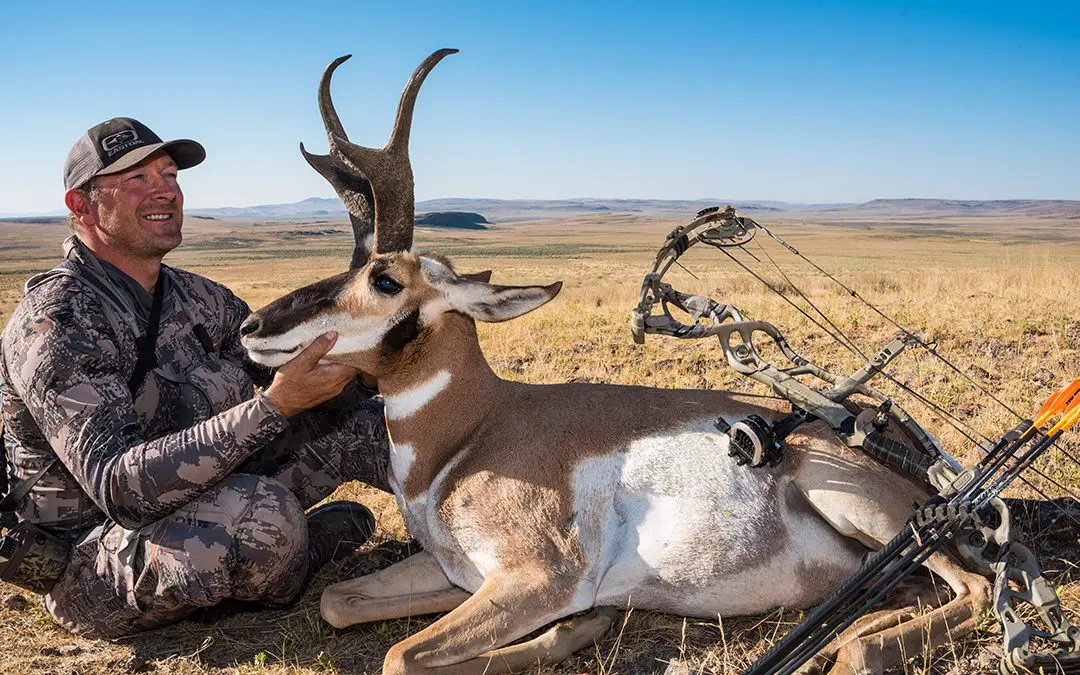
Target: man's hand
302, 383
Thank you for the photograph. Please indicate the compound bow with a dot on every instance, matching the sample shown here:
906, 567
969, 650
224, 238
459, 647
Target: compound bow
967, 510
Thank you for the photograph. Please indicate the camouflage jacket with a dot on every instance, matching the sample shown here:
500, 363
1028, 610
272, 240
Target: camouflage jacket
65, 359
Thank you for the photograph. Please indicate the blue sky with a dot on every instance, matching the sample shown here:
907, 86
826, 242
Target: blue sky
794, 101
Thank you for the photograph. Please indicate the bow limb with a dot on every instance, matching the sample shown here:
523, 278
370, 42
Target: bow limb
713, 226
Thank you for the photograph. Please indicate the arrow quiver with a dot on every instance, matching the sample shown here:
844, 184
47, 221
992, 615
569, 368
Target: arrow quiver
965, 513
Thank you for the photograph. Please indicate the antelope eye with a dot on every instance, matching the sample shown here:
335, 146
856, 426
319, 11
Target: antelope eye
386, 285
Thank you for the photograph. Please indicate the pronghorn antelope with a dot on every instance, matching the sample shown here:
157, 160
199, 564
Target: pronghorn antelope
535, 503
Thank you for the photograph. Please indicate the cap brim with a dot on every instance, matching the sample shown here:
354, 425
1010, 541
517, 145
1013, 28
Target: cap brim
186, 153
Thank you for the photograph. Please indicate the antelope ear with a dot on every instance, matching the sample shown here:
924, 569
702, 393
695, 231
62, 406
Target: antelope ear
487, 302
482, 277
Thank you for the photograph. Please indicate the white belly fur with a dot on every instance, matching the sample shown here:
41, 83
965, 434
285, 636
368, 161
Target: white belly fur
678, 526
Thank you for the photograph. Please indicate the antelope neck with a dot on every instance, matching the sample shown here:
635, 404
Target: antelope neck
436, 406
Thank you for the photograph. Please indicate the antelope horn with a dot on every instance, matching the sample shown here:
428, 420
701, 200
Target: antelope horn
348, 182
389, 169
326, 104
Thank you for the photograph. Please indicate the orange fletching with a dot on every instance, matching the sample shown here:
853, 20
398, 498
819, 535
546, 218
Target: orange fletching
1058, 402
1072, 414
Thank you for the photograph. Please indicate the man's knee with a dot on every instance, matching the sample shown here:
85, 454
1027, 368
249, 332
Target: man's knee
325, 447
352, 441
246, 538
270, 542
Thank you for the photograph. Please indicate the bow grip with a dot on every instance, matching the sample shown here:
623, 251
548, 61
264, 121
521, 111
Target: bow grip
897, 455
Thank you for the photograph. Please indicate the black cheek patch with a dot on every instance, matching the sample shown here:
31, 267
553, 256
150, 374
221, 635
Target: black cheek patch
401, 333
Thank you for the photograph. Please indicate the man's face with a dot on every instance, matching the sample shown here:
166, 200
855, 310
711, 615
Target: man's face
140, 210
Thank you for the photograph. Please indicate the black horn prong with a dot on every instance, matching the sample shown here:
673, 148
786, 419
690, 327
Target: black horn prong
355, 192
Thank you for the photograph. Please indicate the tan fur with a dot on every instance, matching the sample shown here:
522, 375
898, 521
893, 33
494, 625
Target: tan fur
490, 466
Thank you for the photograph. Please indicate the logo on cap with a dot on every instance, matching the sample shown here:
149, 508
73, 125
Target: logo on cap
120, 141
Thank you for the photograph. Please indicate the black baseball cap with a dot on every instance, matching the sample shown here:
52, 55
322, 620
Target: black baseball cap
121, 143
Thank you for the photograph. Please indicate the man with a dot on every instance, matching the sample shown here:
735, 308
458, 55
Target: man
179, 484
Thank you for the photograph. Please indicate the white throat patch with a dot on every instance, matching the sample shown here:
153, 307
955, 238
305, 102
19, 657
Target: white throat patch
401, 460
400, 406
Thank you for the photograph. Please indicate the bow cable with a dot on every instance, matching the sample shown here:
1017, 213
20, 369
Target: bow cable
789, 282
854, 349
841, 338
737, 235
918, 340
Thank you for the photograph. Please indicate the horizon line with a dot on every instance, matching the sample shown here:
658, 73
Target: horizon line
59, 213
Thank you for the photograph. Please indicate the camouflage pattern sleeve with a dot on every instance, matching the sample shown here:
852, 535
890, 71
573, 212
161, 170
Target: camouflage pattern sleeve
65, 364
353, 395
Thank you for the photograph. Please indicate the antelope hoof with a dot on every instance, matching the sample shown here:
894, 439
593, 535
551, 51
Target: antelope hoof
578, 633
334, 608
815, 666
855, 659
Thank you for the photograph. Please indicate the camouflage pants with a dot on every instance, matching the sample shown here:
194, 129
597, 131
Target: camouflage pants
245, 538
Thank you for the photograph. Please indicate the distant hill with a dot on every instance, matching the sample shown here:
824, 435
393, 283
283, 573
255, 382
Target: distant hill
513, 210
307, 208
951, 208
461, 220
517, 210
39, 220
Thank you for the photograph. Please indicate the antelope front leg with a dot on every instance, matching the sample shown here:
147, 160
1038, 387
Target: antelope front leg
505, 608
902, 603
555, 645
412, 587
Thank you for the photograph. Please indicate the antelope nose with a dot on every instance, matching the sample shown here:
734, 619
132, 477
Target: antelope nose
251, 325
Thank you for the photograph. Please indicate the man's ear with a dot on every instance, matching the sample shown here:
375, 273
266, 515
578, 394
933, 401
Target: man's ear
79, 204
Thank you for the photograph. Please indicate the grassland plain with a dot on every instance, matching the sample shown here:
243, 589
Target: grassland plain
999, 300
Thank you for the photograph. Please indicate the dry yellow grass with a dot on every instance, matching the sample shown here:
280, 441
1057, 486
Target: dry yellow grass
1003, 312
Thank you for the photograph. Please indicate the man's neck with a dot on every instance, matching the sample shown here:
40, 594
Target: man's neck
143, 270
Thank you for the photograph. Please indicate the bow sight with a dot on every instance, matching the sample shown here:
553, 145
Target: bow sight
966, 511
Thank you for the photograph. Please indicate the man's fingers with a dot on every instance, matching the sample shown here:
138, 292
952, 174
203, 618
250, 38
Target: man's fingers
336, 371
337, 374
318, 348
